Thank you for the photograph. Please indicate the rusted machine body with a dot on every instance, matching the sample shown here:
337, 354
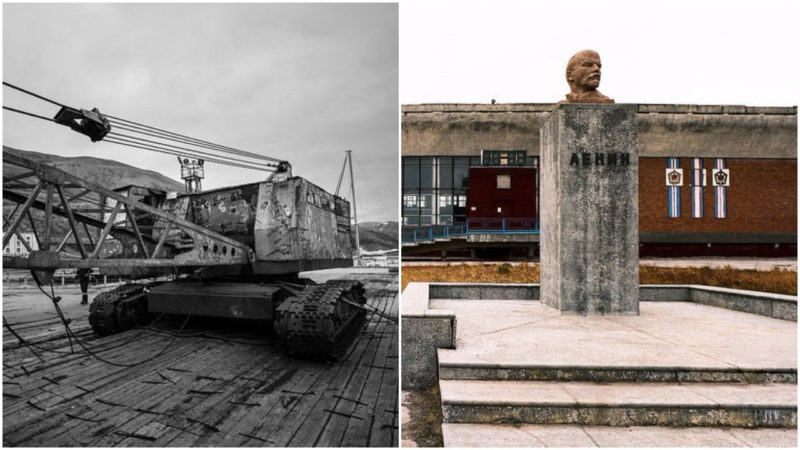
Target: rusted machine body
236, 252
291, 225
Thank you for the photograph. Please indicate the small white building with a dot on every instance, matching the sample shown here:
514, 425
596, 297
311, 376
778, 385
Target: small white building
16, 247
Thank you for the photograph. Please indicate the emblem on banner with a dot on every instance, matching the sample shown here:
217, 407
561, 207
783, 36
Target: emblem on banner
674, 177
721, 177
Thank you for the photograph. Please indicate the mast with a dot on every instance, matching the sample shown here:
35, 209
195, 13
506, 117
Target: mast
355, 213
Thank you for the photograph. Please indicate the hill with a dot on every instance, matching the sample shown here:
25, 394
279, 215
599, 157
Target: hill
107, 173
111, 174
377, 236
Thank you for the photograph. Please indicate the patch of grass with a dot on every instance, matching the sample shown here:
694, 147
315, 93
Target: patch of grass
425, 418
472, 273
779, 281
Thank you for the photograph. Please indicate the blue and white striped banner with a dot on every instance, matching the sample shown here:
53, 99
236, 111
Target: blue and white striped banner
674, 189
720, 191
697, 187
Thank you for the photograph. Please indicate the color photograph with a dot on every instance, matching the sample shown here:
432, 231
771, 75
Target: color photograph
599, 224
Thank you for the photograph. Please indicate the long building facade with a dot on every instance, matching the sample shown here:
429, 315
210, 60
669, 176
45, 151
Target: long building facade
713, 180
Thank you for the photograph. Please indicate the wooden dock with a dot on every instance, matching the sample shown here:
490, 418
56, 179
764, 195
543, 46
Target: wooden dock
200, 387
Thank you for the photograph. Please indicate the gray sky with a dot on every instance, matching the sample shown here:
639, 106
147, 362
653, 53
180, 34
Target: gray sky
298, 82
662, 51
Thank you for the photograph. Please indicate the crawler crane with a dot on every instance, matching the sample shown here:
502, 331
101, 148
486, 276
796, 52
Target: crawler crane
235, 252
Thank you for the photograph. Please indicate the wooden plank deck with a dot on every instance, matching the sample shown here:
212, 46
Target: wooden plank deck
221, 387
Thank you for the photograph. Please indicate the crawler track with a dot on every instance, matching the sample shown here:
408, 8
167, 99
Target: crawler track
118, 309
323, 320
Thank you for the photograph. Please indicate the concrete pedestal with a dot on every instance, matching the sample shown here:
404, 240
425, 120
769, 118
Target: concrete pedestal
589, 210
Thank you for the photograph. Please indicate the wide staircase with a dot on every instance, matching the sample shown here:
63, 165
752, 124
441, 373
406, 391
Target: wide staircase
492, 402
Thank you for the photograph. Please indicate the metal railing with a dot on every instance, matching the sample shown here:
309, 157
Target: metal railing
489, 225
503, 225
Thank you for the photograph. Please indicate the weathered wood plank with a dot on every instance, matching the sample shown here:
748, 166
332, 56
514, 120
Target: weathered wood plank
201, 392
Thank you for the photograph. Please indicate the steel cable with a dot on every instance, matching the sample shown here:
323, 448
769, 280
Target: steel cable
167, 137
151, 131
71, 334
27, 113
136, 139
31, 93
221, 147
29, 344
178, 153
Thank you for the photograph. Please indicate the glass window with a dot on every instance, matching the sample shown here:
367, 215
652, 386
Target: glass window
411, 220
504, 182
461, 177
426, 203
411, 160
504, 157
445, 204
409, 200
445, 173
411, 174
426, 173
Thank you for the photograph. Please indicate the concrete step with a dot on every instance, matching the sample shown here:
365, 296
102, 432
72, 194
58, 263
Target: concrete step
528, 435
614, 374
620, 404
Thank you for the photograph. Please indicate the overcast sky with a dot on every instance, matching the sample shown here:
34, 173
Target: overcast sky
306, 82
672, 51
297, 82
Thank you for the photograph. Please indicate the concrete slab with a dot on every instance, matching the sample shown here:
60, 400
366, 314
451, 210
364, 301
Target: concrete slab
483, 392
666, 334
526, 435
691, 437
520, 436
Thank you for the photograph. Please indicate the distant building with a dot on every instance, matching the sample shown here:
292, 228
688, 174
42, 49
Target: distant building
17, 248
713, 180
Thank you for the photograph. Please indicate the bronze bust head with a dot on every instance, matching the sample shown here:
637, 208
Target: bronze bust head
583, 76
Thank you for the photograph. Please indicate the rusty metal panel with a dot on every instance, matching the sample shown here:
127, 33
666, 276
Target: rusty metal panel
233, 300
297, 220
229, 211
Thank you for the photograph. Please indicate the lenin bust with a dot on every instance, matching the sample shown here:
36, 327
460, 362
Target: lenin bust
583, 76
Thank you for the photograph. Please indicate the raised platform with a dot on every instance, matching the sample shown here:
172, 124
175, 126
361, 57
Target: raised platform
523, 339
690, 370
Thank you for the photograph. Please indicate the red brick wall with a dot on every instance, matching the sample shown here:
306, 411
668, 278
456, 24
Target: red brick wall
762, 198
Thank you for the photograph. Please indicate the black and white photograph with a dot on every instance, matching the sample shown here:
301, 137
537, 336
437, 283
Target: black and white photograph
200, 237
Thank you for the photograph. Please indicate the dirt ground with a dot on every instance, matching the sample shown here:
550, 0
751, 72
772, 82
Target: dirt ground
421, 418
